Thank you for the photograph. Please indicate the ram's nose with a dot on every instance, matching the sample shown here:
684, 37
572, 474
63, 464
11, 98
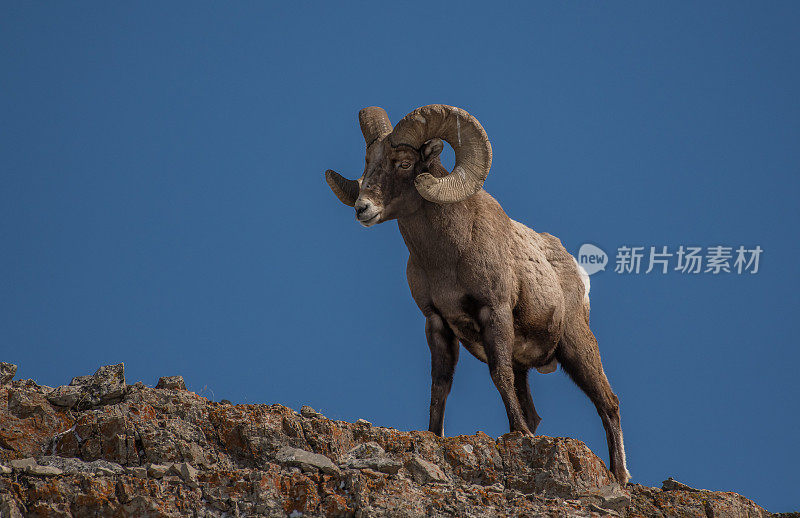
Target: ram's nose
367, 213
361, 207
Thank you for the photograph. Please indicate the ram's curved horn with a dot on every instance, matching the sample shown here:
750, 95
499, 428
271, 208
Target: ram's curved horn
469, 141
344, 189
374, 124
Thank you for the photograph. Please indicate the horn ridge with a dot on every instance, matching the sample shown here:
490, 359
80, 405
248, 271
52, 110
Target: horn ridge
374, 124
464, 133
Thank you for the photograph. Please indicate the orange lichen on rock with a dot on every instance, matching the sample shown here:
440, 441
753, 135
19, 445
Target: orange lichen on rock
169, 452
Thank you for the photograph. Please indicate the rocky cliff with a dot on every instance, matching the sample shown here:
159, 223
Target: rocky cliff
101, 447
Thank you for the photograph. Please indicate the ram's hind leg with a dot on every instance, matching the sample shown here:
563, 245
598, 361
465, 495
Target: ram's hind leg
523, 391
580, 358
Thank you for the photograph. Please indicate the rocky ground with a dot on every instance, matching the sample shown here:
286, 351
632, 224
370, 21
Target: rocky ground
101, 447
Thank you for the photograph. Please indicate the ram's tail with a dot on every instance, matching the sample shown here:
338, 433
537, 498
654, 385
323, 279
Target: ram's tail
584, 279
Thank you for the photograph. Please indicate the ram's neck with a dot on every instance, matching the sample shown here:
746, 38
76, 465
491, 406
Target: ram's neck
437, 236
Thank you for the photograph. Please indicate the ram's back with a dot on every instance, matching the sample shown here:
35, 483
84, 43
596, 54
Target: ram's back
545, 251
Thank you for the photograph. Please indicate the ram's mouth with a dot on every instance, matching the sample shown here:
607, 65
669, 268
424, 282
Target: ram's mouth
370, 221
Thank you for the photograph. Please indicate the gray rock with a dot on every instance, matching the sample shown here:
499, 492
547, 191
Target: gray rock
43, 471
22, 464
363, 422
105, 386
108, 383
7, 372
611, 497
171, 383
188, 473
366, 450
136, 471
5, 470
306, 460
81, 380
194, 454
307, 411
603, 512
157, 470
382, 464
72, 465
26, 403
65, 395
370, 455
424, 472
8, 507
530, 463
673, 485
124, 492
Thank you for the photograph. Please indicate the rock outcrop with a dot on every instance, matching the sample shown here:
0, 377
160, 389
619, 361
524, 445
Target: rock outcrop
100, 447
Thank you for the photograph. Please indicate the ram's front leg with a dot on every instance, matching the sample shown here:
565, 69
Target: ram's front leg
498, 343
444, 356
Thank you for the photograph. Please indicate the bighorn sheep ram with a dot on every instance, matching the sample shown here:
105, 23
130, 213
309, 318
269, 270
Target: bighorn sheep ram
514, 298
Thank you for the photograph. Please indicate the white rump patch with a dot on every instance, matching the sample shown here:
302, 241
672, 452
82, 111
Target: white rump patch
584, 279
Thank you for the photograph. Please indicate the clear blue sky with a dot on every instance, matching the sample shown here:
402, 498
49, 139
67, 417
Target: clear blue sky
162, 204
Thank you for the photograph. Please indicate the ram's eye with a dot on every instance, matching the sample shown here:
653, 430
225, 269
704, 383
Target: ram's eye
405, 164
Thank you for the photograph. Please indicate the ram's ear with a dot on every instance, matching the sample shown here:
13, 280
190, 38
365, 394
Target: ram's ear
431, 150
